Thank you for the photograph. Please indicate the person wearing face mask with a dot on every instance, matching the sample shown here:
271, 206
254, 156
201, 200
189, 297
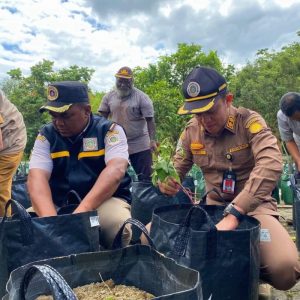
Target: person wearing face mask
133, 110
239, 156
81, 152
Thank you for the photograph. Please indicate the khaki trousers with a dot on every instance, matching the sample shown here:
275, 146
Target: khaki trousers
112, 214
8, 166
279, 256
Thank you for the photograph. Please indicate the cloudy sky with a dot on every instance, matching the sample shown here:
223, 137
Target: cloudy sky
107, 34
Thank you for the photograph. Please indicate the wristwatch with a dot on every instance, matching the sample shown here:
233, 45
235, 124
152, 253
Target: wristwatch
230, 209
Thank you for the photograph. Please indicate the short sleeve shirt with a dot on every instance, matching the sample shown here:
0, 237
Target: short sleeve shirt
131, 113
289, 129
41, 159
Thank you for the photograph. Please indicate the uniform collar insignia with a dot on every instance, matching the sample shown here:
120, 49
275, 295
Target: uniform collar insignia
230, 125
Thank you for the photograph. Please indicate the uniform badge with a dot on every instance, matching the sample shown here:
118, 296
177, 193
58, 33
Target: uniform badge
41, 138
113, 139
52, 93
255, 127
90, 144
193, 89
197, 146
230, 122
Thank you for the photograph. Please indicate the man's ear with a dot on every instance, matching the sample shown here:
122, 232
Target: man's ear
87, 109
229, 98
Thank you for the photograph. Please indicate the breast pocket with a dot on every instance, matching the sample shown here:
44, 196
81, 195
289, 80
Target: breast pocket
133, 113
201, 161
242, 158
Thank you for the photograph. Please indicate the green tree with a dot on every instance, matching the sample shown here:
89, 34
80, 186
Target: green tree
261, 84
28, 93
162, 82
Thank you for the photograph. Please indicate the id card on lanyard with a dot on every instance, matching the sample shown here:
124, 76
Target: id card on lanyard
228, 183
229, 178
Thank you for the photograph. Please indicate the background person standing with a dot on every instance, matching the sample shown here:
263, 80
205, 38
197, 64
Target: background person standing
13, 140
288, 118
133, 110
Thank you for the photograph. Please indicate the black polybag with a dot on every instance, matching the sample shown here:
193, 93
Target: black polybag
138, 265
25, 239
19, 191
146, 197
228, 261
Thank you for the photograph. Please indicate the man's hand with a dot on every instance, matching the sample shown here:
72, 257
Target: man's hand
40, 193
153, 146
169, 187
230, 222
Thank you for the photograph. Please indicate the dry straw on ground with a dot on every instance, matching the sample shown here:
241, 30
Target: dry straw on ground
107, 290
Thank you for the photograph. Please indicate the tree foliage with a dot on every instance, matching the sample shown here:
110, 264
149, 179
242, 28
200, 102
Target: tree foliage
261, 84
162, 82
28, 93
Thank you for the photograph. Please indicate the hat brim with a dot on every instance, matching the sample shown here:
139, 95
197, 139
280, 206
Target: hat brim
123, 76
55, 107
196, 107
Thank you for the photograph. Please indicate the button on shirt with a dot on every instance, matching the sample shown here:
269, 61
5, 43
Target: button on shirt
256, 159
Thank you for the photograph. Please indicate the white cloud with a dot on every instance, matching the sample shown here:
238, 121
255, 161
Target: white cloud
105, 35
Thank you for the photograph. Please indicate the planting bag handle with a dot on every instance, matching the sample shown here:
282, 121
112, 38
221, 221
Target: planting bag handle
117, 243
24, 217
59, 287
184, 232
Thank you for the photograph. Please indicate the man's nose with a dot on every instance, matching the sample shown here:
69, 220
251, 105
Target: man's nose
205, 117
59, 121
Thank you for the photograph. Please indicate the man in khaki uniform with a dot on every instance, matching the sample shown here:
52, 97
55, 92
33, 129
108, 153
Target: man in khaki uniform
12, 143
239, 157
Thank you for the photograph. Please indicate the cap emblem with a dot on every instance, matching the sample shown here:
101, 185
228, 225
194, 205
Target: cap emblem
193, 89
124, 72
52, 93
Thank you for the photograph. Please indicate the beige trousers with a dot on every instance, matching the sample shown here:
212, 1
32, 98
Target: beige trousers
280, 266
112, 214
8, 166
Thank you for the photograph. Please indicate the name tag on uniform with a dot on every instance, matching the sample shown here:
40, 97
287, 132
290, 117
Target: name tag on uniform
90, 144
228, 183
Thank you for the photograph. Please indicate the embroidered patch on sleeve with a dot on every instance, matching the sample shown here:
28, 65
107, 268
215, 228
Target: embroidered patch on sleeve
41, 138
251, 121
255, 127
113, 139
